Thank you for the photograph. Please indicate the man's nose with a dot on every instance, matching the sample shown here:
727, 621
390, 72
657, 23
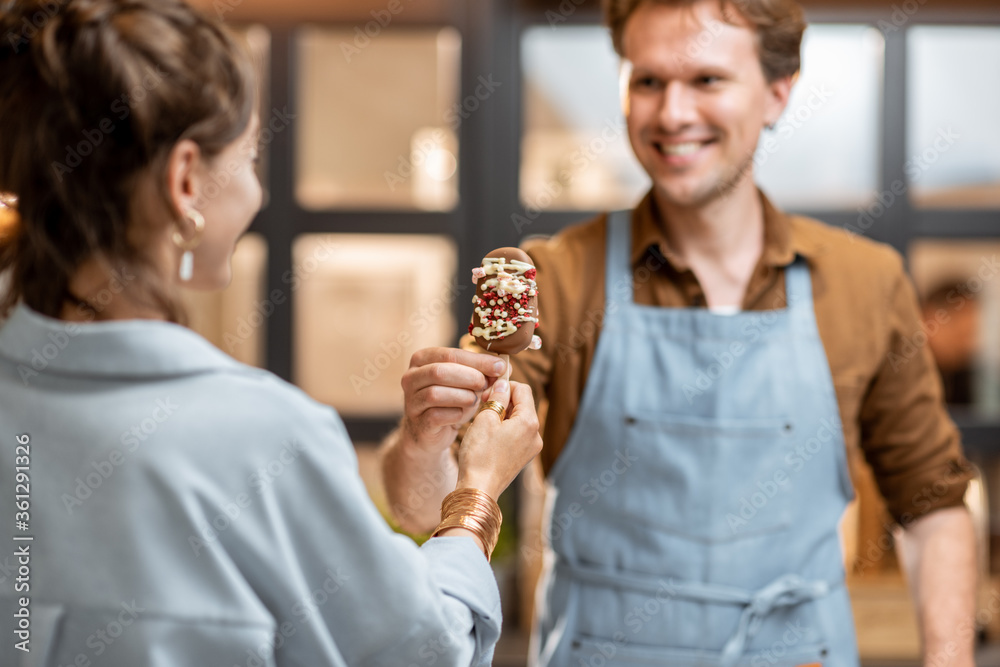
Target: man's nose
678, 107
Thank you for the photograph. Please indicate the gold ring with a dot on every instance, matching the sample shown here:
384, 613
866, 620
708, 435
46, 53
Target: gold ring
495, 406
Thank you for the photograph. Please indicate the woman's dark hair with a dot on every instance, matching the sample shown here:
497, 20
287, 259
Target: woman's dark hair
94, 94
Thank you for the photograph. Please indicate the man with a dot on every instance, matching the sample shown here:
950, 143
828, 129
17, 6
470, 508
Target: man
711, 366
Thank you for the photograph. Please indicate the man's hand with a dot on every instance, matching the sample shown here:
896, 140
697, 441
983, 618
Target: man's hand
441, 391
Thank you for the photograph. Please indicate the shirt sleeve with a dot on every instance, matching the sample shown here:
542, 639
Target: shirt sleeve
533, 367
345, 589
908, 438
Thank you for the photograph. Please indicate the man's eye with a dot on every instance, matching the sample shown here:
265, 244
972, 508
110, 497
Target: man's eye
645, 82
708, 79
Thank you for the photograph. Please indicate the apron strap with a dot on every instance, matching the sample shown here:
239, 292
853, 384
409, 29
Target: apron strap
785, 591
617, 264
798, 291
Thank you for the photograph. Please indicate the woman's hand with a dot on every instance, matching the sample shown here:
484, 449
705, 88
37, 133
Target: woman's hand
493, 451
441, 390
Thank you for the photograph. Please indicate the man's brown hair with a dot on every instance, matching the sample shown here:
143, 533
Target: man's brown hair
779, 25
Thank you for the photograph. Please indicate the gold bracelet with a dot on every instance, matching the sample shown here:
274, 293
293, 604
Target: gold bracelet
474, 511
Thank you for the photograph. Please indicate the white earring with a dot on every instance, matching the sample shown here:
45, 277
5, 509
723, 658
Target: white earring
188, 246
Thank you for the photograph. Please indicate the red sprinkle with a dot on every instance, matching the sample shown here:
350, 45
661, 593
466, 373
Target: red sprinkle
530, 274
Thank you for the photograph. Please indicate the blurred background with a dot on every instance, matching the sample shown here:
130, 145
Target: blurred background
405, 138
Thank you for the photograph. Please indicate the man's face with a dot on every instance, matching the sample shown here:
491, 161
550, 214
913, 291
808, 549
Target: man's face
697, 99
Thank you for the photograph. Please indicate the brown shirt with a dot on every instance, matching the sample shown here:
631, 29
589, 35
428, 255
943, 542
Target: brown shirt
887, 385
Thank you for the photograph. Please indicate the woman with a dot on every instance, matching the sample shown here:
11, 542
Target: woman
186, 509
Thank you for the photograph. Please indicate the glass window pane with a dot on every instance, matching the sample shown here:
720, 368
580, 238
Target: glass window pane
235, 319
575, 152
377, 126
363, 305
960, 294
953, 113
823, 152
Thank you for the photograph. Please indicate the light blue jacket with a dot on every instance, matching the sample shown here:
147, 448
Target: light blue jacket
189, 511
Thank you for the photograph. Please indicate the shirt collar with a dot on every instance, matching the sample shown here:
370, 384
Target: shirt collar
123, 349
781, 242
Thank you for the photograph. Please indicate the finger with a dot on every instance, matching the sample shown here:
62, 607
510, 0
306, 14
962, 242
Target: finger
441, 397
487, 364
438, 417
445, 375
499, 392
522, 401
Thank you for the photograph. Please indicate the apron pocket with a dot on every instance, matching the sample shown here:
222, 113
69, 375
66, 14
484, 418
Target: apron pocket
587, 651
709, 479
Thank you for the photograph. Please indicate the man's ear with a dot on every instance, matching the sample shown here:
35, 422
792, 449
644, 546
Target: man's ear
779, 91
183, 176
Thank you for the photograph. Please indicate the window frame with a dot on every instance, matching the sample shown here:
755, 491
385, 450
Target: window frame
490, 154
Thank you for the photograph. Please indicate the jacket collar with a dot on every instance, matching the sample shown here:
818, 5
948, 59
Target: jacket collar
782, 239
41, 345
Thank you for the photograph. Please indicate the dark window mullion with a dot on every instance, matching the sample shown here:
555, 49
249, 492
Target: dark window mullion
373, 222
272, 222
956, 223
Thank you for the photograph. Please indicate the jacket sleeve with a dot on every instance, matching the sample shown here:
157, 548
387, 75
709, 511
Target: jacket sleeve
345, 589
908, 438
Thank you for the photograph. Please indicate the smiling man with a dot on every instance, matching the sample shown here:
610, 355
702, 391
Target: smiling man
738, 359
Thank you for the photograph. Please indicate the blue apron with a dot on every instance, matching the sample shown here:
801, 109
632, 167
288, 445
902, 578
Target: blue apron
694, 511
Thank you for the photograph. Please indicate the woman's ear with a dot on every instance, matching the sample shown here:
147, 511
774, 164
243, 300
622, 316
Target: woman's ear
184, 176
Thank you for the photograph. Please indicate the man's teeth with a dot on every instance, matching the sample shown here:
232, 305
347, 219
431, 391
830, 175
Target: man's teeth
680, 149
